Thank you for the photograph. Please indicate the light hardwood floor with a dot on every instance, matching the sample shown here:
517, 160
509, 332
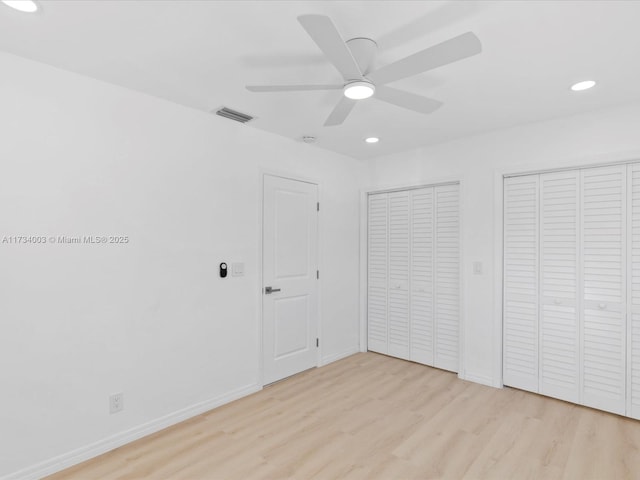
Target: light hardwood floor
374, 417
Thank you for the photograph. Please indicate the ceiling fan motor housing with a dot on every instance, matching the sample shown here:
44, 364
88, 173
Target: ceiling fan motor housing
364, 51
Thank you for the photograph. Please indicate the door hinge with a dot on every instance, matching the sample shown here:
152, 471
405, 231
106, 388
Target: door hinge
317, 342
318, 206
318, 274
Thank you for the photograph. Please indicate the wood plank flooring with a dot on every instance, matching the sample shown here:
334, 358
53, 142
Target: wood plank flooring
374, 417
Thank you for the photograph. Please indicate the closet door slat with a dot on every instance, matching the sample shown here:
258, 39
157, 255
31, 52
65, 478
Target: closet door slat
447, 276
377, 272
521, 266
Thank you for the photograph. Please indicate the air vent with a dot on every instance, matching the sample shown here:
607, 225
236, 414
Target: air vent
233, 115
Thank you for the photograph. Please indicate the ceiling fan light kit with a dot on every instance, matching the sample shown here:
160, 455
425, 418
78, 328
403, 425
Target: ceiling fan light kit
359, 90
355, 58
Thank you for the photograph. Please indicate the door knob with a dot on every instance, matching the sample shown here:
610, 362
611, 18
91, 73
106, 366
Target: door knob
602, 306
269, 290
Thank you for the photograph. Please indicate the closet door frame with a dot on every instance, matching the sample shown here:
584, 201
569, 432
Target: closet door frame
499, 174
364, 215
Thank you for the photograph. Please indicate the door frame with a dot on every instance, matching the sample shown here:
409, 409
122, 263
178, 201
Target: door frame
364, 221
275, 173
548, 166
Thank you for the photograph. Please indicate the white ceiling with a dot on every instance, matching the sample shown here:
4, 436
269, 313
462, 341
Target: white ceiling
202, 53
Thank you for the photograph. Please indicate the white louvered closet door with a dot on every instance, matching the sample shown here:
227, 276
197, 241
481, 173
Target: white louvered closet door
422, 281
398, 289
520, 310
603, 222
633, 315
413, 275
378, 231
559, 325
447, 276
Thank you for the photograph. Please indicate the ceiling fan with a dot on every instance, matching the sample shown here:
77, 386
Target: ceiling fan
354, 60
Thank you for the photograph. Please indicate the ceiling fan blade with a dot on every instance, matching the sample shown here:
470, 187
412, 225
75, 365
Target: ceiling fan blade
291, 88
407, 100
322, 30
457, 48
340, 112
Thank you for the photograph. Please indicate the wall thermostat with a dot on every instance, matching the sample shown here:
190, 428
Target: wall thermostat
223, 270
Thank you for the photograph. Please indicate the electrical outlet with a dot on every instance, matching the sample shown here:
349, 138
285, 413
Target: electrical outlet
116, 403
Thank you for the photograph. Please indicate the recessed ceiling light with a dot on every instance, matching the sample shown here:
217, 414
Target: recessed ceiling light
359, 90
27, 6
586, 85
372, 139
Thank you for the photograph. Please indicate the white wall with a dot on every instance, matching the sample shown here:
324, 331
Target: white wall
479, 161
151, 318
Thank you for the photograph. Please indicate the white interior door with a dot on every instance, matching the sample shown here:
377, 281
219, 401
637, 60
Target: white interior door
422, 276
603, 225
414, 275
290, 288
559, 262
571, 320
633, 309
520, 311
377, 272
447, 276
398, 306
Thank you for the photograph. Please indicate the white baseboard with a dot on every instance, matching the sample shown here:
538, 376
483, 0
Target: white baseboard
482, 379
338, 356
87, 452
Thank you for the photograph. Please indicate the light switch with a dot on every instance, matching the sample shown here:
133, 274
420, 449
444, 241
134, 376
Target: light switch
477, 268
237, 269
